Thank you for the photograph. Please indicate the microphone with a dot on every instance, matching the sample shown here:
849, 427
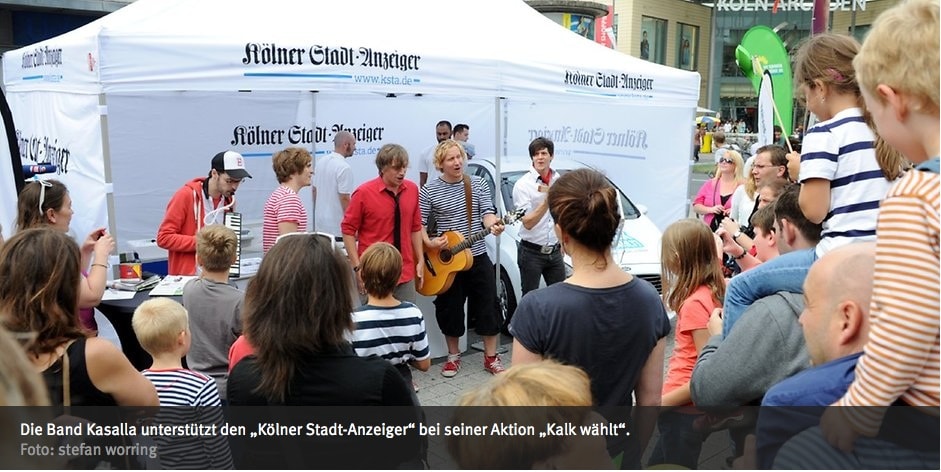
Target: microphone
34, 169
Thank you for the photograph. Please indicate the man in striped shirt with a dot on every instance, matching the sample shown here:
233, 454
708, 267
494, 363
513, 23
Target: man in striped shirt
443, 199
162, 327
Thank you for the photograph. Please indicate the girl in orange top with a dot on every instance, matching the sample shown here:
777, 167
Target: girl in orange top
693, 287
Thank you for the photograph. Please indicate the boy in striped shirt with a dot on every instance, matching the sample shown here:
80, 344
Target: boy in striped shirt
901, 361
162, 328
386, 327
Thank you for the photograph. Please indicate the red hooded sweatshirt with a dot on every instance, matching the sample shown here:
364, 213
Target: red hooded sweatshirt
177, 233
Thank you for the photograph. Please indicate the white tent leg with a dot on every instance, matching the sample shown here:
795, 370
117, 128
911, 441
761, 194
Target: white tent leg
109, 183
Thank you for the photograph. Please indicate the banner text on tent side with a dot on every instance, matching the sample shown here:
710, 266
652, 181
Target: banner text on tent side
153, 133
630, 144
70, 138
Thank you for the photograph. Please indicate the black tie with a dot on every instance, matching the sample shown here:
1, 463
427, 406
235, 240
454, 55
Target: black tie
397, 225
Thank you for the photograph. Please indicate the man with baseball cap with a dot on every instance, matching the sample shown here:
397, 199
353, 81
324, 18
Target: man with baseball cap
202, 201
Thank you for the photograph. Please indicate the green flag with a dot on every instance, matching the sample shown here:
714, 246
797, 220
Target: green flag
762, 50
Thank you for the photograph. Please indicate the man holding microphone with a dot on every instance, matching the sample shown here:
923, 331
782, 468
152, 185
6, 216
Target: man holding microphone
539, 253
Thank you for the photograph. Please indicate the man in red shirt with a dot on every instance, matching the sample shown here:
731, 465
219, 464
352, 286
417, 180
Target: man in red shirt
386, 209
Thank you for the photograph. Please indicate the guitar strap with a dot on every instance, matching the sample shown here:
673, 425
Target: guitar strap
467, 202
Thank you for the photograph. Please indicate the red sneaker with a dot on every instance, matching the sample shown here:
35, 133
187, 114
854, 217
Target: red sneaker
451, 366
493, 364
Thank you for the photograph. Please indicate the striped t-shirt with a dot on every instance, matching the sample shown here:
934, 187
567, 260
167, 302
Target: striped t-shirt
444, 201
842, 151
283, 206
396, 334
186, 389
901, 358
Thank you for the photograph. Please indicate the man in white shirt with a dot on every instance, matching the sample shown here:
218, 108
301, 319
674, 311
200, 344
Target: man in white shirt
462, 134
333, 184
426, 162
539, 253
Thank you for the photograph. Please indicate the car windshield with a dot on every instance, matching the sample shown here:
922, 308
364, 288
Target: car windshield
509, 180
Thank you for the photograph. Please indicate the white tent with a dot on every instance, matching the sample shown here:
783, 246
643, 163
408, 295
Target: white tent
134, 104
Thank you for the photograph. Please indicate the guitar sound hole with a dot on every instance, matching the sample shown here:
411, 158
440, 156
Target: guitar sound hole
445, 255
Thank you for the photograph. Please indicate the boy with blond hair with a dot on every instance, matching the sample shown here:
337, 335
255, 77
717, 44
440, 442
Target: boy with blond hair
215, 304
162, 328
897, 69
385, 326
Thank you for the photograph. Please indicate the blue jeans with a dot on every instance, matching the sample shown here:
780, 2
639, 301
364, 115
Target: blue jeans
679, 443
785, 273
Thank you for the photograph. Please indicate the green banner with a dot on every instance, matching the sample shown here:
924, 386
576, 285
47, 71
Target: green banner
761, 49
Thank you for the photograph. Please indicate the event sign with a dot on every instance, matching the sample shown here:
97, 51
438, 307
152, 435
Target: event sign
648, 161
65, 130
184, 130
763, 44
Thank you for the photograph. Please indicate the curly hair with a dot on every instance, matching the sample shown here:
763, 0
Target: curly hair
290, 161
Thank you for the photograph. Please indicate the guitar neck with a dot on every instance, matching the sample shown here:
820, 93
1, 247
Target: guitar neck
507, 219
470, 241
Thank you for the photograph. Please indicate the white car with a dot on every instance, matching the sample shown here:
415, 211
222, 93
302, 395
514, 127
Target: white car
636, 246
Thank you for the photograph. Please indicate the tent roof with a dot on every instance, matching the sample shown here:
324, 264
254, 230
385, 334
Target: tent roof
485, 47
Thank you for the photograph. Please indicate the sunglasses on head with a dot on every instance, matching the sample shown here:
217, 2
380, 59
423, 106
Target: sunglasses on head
42, 192
327, 236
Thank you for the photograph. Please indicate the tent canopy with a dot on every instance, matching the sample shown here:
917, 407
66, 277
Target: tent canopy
419, 46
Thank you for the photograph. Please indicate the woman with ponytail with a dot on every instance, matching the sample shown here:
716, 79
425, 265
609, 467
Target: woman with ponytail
602, 319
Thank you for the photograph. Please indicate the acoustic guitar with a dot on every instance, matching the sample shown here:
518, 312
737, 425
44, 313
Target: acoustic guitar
442, 265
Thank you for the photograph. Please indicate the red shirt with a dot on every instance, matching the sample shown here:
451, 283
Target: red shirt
370, 217
694, 314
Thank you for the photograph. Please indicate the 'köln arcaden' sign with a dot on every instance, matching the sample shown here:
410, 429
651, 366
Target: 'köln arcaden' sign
786, 5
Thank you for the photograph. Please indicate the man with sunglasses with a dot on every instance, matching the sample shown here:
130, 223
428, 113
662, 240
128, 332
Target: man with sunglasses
202, 201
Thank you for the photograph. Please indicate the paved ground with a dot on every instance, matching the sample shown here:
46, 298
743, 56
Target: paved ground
435, 390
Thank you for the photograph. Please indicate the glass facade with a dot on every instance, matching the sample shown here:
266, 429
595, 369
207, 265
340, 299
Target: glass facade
653, 42
687, 40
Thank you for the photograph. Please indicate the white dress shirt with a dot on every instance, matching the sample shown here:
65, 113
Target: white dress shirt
526, 195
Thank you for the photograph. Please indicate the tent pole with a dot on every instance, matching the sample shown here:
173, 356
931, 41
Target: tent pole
499, 141
313, 155
106, 158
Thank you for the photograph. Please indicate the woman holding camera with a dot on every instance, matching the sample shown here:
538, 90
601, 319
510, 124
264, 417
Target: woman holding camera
714, 199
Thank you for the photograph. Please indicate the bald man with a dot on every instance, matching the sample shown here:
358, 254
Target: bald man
332, 184
835, 323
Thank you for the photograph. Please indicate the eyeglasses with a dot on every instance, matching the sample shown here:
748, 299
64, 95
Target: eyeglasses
763, 166
725, 161
42, 192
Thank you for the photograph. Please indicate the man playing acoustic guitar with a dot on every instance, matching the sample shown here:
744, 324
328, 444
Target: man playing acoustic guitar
445, 199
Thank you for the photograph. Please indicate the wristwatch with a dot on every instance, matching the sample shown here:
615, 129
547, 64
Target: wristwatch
736, 235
